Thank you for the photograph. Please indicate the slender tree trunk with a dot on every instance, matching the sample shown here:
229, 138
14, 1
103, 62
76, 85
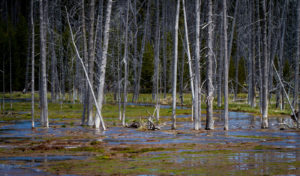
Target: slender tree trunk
137, 86
32, 63
233, 27
135, 47
85, 58
188, 50
156, 60
174, 76
210, 87
125, 59
196, 102
264, 122
43, 98
226, 65
296, 85
164, 38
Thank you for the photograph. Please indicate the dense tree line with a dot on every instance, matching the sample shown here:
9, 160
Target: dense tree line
207, 48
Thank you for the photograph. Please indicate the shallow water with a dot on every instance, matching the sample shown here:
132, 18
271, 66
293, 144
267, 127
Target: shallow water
244, 128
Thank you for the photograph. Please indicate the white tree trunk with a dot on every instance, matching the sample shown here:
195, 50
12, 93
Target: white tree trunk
188, 48
264, 122
99, 118
226, 65
32, 63
174, 76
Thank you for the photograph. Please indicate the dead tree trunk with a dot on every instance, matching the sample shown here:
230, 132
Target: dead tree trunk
43, 98
226, 65
174, 70
32, 63
197, 98
264, 122
156, 60
99, 118
125, 60
210, 87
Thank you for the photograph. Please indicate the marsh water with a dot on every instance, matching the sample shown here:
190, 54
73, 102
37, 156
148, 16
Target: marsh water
244, 129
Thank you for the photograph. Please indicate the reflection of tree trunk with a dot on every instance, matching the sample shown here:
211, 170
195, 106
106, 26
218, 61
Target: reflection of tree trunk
210, 87
174, 75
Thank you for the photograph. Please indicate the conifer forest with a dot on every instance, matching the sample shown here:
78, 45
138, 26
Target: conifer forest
149, 87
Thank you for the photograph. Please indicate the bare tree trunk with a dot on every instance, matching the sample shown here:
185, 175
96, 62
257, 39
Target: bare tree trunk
210, 87
43, 98
91, 62
32, 63
135, 46
296, 85
156, 60
99, 118
264, 122
226, 66
137, 86
85, 58
174, 76
164, 38
188, 50
233, 27
197, 110
125, 59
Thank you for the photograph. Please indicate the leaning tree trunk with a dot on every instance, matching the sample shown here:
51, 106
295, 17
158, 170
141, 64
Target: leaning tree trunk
174, 76
264, 122
210, 87
226, 66
197, 108
32, 63
188, 49
43, 98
